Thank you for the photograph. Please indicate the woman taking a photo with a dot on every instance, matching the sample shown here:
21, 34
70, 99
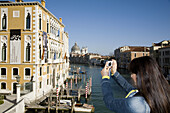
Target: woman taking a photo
150, 94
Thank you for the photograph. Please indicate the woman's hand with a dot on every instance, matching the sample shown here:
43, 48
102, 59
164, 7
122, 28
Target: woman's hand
105, 70
114, 66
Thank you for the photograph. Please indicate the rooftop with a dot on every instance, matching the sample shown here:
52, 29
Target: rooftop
9, 3
138, 49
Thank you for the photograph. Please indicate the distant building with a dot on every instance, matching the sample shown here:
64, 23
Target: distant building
164, 59
84, 50
155, 48
82, 56
75, 49
124, 55
100, 60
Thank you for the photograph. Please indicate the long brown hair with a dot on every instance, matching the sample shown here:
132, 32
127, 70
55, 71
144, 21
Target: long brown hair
152, 84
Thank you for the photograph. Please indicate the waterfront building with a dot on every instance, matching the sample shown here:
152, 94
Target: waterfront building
34, 45
124, 55
84, 50
91, 57
164, 59
75, 49
77, 55
155, 48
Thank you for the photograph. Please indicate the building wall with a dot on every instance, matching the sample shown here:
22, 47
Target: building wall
155, 48
16, 23
138, 54
124, 55
9, 77
164, 59
57, 47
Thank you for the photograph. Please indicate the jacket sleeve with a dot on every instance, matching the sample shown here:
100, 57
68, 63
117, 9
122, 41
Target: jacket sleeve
121, 105
122, 82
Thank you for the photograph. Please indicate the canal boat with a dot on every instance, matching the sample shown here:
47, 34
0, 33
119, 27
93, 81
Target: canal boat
67, 102
79, 107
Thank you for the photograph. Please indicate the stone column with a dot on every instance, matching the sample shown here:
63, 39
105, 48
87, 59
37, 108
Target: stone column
18, 92
34, 89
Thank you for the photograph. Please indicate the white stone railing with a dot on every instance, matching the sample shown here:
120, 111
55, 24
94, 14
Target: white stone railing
29, 97
17, 108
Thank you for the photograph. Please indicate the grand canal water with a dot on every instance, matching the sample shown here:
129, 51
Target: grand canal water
96, 98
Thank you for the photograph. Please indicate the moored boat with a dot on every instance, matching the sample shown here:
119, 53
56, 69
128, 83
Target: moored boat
79, 107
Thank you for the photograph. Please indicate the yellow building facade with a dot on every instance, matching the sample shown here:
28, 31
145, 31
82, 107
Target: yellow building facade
32, 42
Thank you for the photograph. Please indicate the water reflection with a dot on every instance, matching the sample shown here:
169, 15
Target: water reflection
96, 98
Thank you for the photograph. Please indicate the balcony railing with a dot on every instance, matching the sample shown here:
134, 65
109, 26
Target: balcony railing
3, 76
27, 77
14, 76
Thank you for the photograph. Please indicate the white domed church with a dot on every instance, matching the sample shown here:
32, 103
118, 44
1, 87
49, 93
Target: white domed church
75, 49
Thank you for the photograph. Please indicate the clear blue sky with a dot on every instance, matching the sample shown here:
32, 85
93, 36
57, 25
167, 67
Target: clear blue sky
104, 25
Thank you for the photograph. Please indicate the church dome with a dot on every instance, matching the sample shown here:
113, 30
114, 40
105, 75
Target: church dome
75, 48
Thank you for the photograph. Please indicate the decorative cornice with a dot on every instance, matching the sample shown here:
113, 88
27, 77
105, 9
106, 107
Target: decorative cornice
30, 3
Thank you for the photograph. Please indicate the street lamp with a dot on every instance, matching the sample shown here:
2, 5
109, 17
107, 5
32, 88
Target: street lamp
18, 87
18, 78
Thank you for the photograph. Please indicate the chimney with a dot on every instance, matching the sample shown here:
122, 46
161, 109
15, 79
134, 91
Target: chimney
43, 3
60, 19
18, 0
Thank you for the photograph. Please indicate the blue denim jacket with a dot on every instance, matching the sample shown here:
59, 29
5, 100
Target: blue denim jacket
134, 104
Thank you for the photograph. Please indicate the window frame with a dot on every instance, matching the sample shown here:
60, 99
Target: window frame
25, 85
28, 28
25, 45
47, 81
40, 71
40, 84
27, 78
135, 55
40, 24
48, 69
1, 85
13, 78
2, 42
28, 10
14, 16
4, 11
1, 75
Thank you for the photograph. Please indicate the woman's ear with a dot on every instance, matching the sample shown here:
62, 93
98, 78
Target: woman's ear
133, 76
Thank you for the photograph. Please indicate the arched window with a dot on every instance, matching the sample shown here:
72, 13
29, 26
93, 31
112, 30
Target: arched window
40, 22
15, 71
47, 26
4, 52
28, 47
58, 32
3, 71
3, 85
28, 21
51, 29
47, 53
27, 73
40, 51
4, 22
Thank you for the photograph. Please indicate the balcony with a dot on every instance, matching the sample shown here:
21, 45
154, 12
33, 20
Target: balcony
27, 77
14, 76
3, 77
